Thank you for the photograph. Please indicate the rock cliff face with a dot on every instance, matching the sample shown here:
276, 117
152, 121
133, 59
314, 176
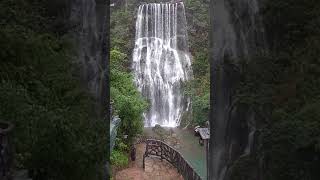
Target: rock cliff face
90, 30
237, 33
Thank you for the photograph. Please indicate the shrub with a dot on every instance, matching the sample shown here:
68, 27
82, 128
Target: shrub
119, 159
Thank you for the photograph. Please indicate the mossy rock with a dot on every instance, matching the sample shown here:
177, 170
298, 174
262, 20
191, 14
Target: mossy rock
160, 131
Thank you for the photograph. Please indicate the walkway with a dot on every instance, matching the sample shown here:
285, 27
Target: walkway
155, 169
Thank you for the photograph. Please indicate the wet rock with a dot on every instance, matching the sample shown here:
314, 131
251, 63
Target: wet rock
160, 131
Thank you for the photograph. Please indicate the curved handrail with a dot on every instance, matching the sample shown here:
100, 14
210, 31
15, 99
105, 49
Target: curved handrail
164, 151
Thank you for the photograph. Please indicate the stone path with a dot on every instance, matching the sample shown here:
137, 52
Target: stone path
155, 169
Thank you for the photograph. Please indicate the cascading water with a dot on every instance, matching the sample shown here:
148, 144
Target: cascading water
161, 61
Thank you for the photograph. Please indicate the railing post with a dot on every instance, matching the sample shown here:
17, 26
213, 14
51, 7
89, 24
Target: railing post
161, 151
143, 161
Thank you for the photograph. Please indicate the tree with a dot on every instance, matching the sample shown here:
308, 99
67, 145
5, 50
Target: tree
128, 102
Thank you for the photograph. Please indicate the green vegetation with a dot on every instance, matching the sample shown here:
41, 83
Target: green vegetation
122, 30
287, 83
55, 135
119, 156
198, 89
119, 159
128, 102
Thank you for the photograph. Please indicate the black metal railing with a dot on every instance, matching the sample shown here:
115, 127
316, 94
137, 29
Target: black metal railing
160, 149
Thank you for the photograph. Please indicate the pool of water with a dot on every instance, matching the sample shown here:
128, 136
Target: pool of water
192, 151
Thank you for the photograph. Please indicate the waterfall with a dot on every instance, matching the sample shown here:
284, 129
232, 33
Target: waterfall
237, 34
161, 61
